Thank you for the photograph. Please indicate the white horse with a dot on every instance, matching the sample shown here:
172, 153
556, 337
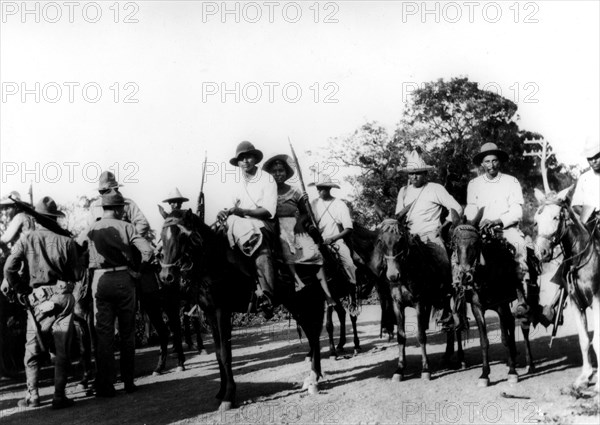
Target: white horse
558, 224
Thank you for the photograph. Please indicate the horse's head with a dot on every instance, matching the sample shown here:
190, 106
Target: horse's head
391, 245
466, 246
550, 219
179, 240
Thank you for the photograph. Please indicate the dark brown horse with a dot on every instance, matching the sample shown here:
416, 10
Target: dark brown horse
225, 286
413, 280
484, 276
558, 225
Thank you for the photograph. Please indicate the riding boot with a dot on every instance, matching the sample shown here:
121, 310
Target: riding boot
31, 399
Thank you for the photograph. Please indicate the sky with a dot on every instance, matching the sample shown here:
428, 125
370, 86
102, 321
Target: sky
145, 88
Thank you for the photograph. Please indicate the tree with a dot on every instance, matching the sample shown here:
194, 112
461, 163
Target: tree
447, 122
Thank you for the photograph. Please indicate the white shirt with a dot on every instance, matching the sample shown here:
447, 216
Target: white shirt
424, 215
329, 214
258, 191
502, 198
587, 191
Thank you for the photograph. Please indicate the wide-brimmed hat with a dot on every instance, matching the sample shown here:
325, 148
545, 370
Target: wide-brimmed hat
246, 147
415, 164
107, 180
489, 149
176, 196
47, 206
7, 202
284, 160
592, 147
112, 199
324, 181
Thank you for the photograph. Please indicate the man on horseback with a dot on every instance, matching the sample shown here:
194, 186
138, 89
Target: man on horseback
335, 224
52, 263
502, 197
425, 202
586, 199
175, 199
252, 214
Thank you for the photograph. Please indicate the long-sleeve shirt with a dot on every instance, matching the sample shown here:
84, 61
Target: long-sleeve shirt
132, 215
502, 198
48, 257
21, 223
112, 243
259, 191
429, 201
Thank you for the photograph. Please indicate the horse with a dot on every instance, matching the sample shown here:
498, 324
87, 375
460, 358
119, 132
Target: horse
558, 225
400, 260
226, 284
484, 276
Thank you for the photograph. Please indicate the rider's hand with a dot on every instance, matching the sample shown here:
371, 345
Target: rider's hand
304, 197
487, 224
328, 241
222, 215
5, 288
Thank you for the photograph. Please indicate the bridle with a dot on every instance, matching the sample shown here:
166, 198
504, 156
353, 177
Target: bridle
465, 232
185, 263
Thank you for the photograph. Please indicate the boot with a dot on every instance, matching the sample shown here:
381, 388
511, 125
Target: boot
31, 399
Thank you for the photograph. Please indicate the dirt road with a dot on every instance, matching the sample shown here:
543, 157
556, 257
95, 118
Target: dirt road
269, 368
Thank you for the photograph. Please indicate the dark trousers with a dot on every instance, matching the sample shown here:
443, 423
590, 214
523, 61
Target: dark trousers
114, 295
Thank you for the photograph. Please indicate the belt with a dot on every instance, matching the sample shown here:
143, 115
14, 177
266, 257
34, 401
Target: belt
111, 269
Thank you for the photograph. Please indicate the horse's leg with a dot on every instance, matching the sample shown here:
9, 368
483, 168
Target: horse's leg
172, 308
341, 312
530, 368
187, 334
484, 379
212, 319
583, 379
447, 357
422, 322
460, 354
329, 328
400, 332
224, 324
353, 320
596, 340
150, 303
507, 329
198, 332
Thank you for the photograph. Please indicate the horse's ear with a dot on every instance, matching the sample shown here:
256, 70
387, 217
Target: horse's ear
454, 217
562, 195
477, 219
379, 212
402, 214
162, 211
539, 195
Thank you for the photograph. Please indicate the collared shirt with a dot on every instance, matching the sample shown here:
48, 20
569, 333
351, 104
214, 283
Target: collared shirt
259, 191
48, 256
424, 215
329, 214
20, 224
587, 191
132, 215
502, 198
112, 242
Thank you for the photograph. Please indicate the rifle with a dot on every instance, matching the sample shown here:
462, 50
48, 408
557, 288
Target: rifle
561, 306
311, 214
200, 209
47, 222
31, 193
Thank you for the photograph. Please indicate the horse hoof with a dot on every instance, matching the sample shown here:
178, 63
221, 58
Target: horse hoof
156, 373
225, 406
306, 383
180, 369
313, 388
307, 359
513, 378
530, 369
463, 365
483, 382
356, 352
426, 376
396, 377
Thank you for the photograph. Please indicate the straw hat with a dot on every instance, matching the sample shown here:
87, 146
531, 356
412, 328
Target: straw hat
415, 164
592, 147
324, 181
176, 196
283, 159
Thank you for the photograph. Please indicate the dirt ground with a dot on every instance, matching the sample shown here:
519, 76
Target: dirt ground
269, 368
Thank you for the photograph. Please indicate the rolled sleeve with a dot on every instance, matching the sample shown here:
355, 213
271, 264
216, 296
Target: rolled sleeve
471, 207
447, 201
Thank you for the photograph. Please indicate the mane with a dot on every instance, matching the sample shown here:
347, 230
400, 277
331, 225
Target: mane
389, 225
